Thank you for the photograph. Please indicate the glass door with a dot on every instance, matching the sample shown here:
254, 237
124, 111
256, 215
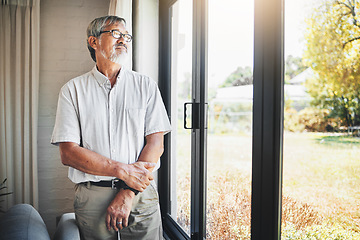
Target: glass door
183, 81
210, 59
230, 101
321, 121
227, 119
181, 94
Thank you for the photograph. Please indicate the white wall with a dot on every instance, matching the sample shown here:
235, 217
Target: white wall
63, 55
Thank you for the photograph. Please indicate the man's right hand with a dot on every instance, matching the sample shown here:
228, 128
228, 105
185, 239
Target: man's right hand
137, 175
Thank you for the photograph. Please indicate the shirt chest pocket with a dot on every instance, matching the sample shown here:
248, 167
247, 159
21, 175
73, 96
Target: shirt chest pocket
135, 121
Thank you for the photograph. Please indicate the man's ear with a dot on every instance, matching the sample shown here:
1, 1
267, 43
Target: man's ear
93, 42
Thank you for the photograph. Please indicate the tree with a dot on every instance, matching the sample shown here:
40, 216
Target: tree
333, 52
244, 75
241, 76
293, 66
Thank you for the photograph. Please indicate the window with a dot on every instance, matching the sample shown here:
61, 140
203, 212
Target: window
262, 137
230, 104
181, 86
321, 158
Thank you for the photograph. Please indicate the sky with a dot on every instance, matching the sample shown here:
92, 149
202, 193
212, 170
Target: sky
231, 31
296, 11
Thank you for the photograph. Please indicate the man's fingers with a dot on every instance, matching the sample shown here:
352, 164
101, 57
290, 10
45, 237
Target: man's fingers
139, 178
114, 225
107, 221
120, 224
149, 164
151, 177
125, 222
147, 183
146, 176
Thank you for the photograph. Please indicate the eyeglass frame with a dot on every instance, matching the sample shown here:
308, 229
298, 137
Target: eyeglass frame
121, 34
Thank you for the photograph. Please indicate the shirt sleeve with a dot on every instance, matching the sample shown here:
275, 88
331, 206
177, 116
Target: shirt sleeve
156, 118
67, 126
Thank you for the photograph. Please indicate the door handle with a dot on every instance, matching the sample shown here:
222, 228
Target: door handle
195, 115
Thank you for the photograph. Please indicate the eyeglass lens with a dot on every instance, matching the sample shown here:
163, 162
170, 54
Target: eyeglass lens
117, 34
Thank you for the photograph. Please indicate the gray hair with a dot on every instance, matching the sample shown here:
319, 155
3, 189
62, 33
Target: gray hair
98, 25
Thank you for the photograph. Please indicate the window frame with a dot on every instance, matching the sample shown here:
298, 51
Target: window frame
171, 229
267, 120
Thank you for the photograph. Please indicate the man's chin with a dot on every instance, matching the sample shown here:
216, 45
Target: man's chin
120, 60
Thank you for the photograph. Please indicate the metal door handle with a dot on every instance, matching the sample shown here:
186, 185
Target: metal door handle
195, 115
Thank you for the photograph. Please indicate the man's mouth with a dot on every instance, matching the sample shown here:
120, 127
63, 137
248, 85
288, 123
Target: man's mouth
121, 45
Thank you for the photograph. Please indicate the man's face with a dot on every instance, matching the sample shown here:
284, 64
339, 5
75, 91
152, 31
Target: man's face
115, 50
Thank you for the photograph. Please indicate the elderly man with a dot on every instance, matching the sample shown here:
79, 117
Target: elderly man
109, 127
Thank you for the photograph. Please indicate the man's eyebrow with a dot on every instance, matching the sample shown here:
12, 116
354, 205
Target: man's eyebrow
120, 31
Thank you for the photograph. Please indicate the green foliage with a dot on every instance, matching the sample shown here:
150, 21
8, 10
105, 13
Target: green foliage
318, 232
320, 191
2, 186
230, 118
339, 141
293, 66
308, 119
313, 119
241, 76
291, 121
332, 50
244, 75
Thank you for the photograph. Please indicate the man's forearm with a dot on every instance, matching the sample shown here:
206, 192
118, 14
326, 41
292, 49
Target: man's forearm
153, 148
135, 175
151, 153
89, 162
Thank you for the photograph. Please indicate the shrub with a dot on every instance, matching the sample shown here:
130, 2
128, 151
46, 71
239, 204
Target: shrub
183, 202
318, 232
313, 119
308, 119
229, 212
297, 214
229, 208
291, 121
231, 118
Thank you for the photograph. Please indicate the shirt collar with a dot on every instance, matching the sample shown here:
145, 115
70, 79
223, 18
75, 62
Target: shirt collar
102, 79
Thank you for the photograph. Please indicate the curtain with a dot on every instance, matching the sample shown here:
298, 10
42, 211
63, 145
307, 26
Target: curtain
146, 32
123, 8
19, 83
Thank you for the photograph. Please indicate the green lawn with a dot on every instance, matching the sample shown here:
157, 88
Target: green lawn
323, 171
321, 186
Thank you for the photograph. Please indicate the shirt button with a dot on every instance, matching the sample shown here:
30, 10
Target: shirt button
113, 150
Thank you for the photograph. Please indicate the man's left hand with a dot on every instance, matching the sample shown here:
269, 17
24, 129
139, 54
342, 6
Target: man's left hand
118, 211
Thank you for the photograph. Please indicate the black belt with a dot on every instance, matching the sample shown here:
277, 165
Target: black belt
114, 184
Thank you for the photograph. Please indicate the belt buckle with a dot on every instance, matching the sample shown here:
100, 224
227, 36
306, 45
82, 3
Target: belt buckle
113, 183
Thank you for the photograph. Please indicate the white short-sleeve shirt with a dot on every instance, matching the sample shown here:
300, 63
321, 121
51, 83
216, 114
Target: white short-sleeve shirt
110, 121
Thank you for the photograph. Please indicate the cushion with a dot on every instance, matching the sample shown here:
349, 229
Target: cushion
22, 221
67, 228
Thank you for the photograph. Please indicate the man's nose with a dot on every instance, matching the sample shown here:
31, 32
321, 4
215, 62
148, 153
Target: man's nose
121, 40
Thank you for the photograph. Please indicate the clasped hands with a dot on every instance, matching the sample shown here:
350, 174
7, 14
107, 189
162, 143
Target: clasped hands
136, 176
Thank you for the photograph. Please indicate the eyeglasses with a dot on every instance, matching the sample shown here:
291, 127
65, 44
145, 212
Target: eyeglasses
117, 34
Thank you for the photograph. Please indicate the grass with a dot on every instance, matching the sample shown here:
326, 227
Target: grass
323, 171
321, 179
